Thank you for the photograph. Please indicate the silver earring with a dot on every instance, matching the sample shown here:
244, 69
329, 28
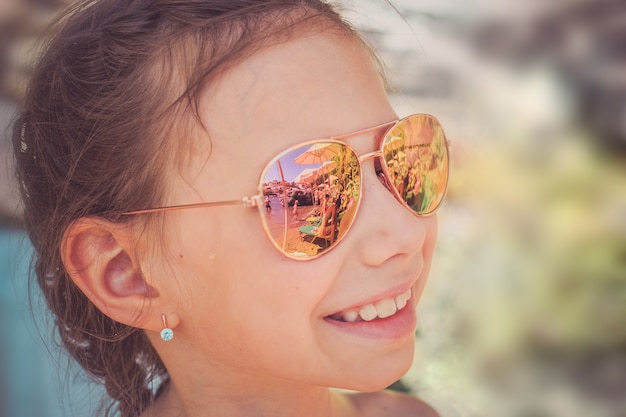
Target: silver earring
167, 334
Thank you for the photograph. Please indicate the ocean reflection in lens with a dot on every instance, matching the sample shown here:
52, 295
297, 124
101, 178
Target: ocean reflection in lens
313, 191
416, 159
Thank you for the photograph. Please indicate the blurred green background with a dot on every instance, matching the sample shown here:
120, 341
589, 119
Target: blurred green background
525, 311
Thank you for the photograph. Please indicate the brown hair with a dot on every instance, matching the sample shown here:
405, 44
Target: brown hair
118, 78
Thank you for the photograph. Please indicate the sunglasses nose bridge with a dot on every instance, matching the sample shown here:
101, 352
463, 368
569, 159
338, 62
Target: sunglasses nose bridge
370, 155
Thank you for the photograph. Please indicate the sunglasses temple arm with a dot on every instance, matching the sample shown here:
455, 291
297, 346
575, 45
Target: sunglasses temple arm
252, 201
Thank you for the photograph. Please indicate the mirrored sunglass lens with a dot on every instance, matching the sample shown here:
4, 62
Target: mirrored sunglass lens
310, 196
416, 159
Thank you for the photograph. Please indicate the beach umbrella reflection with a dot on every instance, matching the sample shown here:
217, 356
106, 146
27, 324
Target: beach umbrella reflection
318, 153
307, 175
327, 167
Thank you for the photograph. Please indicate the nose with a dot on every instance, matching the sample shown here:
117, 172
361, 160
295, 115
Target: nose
384, 228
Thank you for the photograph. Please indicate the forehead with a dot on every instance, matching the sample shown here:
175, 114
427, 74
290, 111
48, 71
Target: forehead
306, 88
313, 79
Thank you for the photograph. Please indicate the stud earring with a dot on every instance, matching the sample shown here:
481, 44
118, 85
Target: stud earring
167, 334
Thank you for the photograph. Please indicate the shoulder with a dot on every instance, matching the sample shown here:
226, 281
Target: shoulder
390, 403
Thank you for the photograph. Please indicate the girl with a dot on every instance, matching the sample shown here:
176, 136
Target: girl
145, 124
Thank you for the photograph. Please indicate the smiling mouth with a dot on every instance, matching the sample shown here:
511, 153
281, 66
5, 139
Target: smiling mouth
384, 308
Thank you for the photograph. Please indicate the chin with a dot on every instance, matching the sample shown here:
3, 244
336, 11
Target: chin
372, 386
372, 377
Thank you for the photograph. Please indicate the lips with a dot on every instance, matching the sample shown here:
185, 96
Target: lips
381, 309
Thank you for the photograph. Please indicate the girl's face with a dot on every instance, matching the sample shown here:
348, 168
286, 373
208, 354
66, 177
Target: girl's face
248, 313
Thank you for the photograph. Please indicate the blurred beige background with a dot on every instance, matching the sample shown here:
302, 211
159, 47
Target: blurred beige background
525, 311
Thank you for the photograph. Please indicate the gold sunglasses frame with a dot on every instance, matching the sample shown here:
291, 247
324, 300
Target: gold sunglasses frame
257, 199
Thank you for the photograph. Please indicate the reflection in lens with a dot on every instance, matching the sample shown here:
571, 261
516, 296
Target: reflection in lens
311, 194
416, 159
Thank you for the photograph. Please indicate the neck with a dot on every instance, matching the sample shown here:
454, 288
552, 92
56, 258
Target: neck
268, 398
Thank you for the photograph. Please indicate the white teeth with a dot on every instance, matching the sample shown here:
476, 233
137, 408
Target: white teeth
350, 316
402, 299
382, 309
386, 308
368, 312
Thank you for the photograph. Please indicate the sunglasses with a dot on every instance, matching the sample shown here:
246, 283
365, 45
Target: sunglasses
309, 194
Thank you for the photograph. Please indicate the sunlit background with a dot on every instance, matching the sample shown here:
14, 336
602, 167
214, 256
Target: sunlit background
525, 311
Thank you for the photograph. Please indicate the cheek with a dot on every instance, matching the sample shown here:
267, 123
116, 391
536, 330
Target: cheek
431, 225
256, 318
189, 244
432, 231
229, 267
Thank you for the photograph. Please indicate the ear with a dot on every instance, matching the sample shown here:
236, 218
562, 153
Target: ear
98, 255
